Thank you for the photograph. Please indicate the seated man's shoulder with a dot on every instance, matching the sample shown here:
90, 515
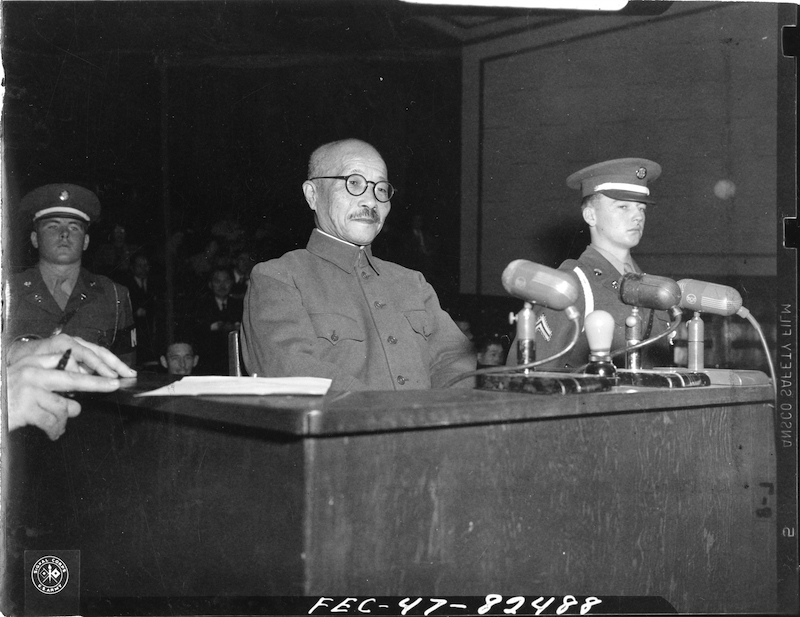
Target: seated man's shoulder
281, 267
103, 283
18, 278
395, 269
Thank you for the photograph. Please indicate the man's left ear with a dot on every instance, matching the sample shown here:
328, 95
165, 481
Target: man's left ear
86, 242
310, 192
589, 215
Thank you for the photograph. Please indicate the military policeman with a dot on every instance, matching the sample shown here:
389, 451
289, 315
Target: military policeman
615, 196
58, 295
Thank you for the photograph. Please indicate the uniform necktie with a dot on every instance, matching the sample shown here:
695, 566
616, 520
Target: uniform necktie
61, 296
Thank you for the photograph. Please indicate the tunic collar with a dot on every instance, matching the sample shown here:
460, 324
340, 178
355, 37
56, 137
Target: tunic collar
342, 254
614, 261
51, 277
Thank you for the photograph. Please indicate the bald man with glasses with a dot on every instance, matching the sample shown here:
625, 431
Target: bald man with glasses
333, 309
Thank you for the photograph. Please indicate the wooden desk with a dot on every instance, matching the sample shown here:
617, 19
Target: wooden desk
437, 493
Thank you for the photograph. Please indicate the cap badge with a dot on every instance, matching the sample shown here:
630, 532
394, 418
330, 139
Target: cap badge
641, 173
64, 195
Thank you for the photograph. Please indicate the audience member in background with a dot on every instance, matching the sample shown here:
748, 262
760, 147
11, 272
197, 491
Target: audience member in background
334, 310
491, 351
33, 383
112, 259
203, 262
58, 295
179, 358
421, 247
466, 328
217, 314
242, 265
145, 294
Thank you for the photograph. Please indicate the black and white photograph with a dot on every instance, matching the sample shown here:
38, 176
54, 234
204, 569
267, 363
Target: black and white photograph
398, 307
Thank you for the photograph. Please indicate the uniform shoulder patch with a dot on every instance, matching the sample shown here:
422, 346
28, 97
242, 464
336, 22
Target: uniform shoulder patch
543, 328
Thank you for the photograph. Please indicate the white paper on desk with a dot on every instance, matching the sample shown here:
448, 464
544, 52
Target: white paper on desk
223, 385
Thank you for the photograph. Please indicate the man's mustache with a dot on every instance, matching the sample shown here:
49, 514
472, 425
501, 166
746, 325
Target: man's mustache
370, 214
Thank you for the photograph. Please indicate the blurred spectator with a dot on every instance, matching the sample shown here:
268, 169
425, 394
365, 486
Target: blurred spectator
242, 265
145, 294
112, 258
465, 327
179, 358
491, 351
206, 259
217, 314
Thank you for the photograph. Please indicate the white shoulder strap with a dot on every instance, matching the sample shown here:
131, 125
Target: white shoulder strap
588, 296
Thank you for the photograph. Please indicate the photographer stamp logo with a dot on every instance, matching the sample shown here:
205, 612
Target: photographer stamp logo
49, 575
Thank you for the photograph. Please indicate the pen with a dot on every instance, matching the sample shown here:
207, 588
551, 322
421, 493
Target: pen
62, 363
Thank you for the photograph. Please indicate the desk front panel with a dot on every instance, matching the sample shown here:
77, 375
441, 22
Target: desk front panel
667, 501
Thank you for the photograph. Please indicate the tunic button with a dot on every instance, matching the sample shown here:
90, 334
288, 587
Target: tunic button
379, 305
401, 380
392, 340
614, 284
334, 336
364, 275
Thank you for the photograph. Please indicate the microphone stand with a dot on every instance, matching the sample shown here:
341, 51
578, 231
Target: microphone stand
526, 329
721, 376
634, 375
633, 335
695, 343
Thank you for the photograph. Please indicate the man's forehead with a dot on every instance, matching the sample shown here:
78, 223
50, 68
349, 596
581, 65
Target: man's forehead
352, 158
180, 349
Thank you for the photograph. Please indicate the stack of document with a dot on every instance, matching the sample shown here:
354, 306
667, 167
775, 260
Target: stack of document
251, 386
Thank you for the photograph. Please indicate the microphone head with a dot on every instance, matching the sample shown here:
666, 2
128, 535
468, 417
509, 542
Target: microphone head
599, 327
541, 285
649, 291
703, 297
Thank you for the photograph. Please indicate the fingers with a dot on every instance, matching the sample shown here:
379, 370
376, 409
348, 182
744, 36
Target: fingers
52, 413
31, 400
40, 371
67, 381
84, 354
100, 360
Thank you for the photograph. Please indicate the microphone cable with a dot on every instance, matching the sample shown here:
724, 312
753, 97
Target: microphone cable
677, 318
743, 312
572, 314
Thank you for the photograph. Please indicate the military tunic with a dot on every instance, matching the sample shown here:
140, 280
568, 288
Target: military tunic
98, 311
554, 330
334, 310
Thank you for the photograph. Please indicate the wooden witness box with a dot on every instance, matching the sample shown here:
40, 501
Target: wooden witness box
426, 493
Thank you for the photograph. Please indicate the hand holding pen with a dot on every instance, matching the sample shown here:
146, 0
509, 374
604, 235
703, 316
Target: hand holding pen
62, 363
85, 357
38, 372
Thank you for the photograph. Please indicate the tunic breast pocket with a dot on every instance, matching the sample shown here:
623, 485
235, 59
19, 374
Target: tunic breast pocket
336, 328
420, 322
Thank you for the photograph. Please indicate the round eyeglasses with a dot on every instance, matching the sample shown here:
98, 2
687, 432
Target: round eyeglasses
356, 185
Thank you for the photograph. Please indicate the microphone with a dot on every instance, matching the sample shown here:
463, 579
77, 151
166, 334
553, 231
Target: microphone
649, 291
703, 297
541, 285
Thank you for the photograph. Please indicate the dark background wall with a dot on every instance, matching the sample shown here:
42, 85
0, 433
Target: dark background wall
249, 89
